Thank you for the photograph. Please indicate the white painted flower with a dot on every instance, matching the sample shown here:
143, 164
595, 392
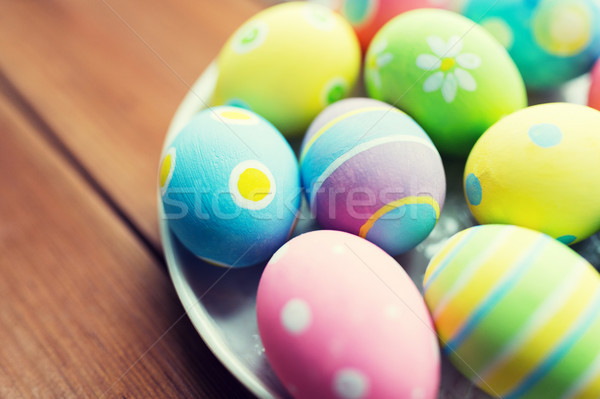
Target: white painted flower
450, 66
379, 57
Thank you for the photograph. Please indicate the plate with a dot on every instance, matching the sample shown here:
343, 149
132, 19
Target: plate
221, 303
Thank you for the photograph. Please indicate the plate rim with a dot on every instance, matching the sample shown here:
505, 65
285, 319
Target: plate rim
196, 99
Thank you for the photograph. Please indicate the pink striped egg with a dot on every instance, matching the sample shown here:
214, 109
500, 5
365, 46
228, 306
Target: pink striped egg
340, 319
369, 169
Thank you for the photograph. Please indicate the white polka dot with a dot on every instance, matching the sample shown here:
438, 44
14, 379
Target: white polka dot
417, 393
350, 383
296, 316
250, 36
292, 389
391, 311
277, 256
500, 30
339, 249
319, 17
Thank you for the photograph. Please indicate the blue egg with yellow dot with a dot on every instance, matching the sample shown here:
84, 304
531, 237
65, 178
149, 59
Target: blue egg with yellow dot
551, 41
230, 187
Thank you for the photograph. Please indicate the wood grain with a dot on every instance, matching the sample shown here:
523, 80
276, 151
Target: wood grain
81, 298
108, 75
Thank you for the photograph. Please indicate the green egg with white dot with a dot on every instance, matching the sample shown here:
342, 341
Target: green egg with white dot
453, 77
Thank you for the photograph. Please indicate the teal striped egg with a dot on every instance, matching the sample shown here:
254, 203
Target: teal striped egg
369, 169
517, 312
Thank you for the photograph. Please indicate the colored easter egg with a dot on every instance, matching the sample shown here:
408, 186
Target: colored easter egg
287, 63
230, 187
539, 168
551, 41
517, 312
452, 76
594, 93
372, 171
368, 16
339, 318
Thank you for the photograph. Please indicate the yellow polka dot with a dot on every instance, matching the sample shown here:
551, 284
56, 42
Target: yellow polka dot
563, 30
235, 115
253, 184
165, 170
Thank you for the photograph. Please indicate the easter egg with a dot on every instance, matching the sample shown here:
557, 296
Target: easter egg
370, 170
539, 168
339, 318
517, 312
450, 75
551, 41
230, 187
287, 63
594, 93
368, 16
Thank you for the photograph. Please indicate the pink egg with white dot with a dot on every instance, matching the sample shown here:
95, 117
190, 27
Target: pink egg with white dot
340, 319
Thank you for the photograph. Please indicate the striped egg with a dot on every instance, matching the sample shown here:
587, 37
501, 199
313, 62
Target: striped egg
517, 312
371, 170
230, 187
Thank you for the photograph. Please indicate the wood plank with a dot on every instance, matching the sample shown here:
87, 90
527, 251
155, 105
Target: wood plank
82, 299
105, 93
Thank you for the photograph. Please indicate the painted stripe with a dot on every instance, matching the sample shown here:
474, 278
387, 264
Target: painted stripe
466, 275
575, 333
548, 337
484, 281
448, 259
544, 314
585, 382
442, 249
366, 227
348, 114
355, 151
500, 291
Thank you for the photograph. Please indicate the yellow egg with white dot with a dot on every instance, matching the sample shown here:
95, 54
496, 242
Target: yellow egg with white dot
539, 168
287, 63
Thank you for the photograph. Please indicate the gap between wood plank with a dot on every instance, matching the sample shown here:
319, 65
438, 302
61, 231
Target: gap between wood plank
37, 121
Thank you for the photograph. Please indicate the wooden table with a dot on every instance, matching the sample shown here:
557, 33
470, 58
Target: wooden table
87, 90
